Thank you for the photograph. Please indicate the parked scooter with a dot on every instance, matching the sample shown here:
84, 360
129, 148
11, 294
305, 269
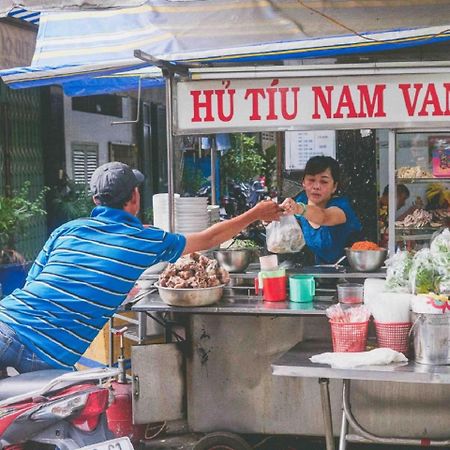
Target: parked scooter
59, 408
239, 196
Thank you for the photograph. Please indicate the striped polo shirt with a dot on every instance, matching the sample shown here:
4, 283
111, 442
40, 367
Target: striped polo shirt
83, 273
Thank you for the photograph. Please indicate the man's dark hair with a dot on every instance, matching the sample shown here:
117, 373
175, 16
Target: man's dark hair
120, 204
401, 189
318, 164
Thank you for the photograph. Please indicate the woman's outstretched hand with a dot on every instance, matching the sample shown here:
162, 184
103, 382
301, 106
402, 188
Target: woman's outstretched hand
289, 206
268, 211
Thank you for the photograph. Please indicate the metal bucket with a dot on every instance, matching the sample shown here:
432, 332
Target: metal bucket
431, 338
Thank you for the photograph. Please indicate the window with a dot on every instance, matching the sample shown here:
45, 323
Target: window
84, 161
127, 154
108, 105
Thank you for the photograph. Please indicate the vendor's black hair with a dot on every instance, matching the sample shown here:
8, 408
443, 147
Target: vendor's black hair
401, 189
318, 164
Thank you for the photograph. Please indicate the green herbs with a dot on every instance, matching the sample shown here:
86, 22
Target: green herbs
240, 244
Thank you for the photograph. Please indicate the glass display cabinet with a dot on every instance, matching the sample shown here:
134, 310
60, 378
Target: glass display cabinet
421, 175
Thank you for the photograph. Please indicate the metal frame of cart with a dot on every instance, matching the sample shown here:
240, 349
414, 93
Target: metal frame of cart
180, 79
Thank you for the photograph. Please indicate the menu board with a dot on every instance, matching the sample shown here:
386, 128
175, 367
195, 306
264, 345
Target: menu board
302, 145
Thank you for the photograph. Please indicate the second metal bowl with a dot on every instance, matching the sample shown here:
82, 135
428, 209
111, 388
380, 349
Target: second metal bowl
190, 296
366, 260
234, 260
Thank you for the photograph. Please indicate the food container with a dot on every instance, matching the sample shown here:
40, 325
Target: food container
350, 293
235, 260
366, 260
189, 297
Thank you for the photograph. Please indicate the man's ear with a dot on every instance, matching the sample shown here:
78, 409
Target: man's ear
96, 201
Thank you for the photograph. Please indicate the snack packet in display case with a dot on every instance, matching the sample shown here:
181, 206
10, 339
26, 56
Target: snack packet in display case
284, 236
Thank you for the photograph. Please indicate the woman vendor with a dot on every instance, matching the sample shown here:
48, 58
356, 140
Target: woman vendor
328, 222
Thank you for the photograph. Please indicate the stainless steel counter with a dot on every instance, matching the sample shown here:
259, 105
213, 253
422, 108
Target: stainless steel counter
296, 363
236, 305
239, 297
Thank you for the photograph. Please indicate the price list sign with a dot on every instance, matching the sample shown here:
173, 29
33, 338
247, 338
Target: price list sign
302, 145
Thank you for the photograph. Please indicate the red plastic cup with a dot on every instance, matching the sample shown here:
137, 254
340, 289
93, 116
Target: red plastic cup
274, 289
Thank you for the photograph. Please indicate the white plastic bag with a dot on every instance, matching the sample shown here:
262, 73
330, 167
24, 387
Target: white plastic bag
284, 236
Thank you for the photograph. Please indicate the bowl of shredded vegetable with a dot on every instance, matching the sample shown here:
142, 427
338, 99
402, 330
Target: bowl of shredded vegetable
237, 256
365, 256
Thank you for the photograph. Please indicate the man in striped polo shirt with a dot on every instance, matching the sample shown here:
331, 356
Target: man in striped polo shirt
88, 266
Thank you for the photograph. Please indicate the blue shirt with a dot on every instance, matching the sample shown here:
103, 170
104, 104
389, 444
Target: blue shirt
328, 242
83, 273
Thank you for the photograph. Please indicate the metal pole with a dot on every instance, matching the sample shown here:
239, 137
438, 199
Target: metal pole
344, 429
326, 412
392, 192
170, 152
213, 170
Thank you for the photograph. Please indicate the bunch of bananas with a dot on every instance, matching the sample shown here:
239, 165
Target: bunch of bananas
438, 192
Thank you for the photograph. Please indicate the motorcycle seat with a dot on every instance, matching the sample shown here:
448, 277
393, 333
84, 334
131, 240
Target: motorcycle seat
27, 382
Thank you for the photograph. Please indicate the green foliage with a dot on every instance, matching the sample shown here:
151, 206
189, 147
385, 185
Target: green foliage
147, 216
192, 180
17, 211
245, 160
72, 200
270, 165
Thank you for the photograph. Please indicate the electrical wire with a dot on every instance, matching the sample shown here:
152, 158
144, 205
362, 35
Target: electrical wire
356, 33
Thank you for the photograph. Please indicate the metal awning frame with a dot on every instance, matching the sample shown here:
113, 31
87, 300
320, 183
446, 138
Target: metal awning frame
215, 73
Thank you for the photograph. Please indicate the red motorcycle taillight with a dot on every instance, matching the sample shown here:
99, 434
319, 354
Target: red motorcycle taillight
89, 416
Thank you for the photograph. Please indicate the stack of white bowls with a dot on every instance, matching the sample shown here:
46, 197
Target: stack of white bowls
191, 214
161, 210
214, 214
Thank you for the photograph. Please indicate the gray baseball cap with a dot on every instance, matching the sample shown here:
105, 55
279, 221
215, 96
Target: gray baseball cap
113, 182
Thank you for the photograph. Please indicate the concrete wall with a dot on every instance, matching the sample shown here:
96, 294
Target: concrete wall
96, 128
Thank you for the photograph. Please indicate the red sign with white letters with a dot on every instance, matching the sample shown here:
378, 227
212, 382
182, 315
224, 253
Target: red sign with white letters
345, 102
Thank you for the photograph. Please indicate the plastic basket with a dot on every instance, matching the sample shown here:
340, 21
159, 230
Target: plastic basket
349, 337
393, 335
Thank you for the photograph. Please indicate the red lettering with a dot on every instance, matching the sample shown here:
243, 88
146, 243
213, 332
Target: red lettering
410, 105
271, 94
284, 112
206, 104
345, 101
431, 99
220, 112
368, 104
254, 94
447, 99
325, 102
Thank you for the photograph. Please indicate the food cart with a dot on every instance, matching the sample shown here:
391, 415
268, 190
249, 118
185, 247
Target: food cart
224, 379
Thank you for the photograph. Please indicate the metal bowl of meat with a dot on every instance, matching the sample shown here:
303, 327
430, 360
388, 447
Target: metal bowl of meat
235, 260
189, 297
366, 260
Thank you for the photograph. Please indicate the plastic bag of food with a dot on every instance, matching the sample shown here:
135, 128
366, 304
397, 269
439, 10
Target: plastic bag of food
424, 276
440, 251
397, 273
284, 236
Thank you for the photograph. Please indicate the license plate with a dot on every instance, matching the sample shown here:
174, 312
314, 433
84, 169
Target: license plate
122, 443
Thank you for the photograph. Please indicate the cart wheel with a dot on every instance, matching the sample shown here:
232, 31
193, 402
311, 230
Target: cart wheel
221, 440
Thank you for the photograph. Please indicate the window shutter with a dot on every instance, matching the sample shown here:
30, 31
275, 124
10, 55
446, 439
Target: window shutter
84, 162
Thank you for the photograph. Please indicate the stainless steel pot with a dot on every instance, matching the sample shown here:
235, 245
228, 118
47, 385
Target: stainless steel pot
431, 338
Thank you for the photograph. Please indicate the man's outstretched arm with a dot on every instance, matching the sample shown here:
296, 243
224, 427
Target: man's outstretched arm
266, 210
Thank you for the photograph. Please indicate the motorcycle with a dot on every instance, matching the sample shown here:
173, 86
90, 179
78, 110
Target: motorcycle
58, 408
239, 197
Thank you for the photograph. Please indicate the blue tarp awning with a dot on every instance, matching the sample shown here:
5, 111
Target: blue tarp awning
74, 45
